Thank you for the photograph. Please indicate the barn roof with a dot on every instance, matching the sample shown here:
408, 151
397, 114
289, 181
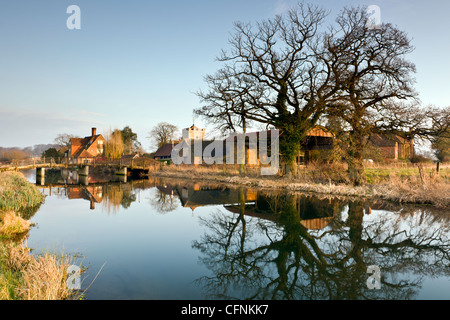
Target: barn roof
164, 151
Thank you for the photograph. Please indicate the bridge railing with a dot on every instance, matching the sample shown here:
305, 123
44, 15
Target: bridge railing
136, 162
30, 162
50, 161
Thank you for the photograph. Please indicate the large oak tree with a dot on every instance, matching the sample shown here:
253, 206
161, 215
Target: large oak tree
273, 74
375, 81
288, 72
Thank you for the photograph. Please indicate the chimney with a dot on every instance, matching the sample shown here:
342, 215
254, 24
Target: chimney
94, 131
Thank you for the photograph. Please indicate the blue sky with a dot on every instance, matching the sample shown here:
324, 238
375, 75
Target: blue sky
138, 62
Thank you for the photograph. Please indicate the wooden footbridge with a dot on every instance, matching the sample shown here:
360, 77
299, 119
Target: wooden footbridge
138, 166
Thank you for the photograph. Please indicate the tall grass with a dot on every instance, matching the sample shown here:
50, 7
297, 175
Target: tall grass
11, 224
45, 277
24, 276
17, 194
430, 189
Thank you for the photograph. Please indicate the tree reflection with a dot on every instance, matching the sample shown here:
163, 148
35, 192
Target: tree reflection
163, 200
116, 196
254, 258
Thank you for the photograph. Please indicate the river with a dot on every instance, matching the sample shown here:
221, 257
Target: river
172, 239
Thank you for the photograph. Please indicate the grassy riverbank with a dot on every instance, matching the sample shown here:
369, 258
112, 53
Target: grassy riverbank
414, 185
24, 276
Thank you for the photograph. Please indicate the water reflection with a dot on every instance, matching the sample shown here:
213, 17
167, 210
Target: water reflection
259, 244
111, 191
280, 245
291, 261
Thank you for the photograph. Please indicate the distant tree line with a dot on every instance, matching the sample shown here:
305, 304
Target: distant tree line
15, 153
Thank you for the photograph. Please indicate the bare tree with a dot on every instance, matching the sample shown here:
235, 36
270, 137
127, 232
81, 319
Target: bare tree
373, 78
273, 75
163, 133
63, 139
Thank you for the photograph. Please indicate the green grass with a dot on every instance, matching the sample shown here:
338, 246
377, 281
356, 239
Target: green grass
17, 194
24, 276
9, 279
375, 175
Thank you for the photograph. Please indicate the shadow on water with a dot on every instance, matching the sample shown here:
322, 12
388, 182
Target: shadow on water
259, 244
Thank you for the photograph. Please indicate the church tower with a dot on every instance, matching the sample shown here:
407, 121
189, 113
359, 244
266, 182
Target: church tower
193, 133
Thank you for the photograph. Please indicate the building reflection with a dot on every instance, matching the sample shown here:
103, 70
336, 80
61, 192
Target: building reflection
112, 193
312, 212
94, 194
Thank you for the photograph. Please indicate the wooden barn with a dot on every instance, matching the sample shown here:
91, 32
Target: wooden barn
318, 139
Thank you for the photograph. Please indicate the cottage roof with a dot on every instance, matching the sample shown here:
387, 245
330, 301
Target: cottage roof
83, 145
164, 151
84, 154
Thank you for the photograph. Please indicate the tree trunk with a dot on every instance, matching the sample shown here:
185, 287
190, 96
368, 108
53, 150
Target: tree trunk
290, 168
289, 147
356, 171
355, 161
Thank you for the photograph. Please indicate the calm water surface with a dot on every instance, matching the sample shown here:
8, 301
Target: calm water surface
169, 239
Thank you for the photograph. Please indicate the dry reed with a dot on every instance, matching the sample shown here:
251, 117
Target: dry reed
42, 277
11, 224
45, 279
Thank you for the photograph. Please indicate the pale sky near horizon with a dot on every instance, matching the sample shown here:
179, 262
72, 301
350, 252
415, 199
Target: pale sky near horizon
138, 63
